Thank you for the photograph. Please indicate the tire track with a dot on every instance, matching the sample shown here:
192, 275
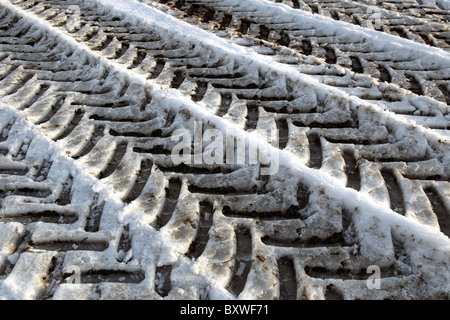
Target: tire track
126, 144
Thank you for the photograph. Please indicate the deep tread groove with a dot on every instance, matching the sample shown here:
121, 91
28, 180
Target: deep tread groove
415, 85
125, 240
11, 69
43, 88
20, 84
245, 25
336, 240
44, 216
185, 169
445, 91
65, 196
315, 147
356, 65
72, 246
200, 91
95, 215
27, 192
104, 44
61, 82
120, 151
225, 104
290, 214
384, 74
147, 100
3, 135
163, 285
112, 276
352, 170
225, 23
288, 279
96, 135
283, 133
178, 79
307, 47
141, 181
78, 115
172, 195
141, 55
330, 56
159, 67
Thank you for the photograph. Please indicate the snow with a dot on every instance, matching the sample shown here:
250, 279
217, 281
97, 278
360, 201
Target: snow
152, 249
371, 212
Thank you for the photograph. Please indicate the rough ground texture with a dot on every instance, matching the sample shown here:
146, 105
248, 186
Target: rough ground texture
93, 207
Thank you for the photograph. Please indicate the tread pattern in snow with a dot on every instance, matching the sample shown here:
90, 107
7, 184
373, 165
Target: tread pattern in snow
255, 238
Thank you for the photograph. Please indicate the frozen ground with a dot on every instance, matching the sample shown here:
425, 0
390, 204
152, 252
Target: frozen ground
93, 206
